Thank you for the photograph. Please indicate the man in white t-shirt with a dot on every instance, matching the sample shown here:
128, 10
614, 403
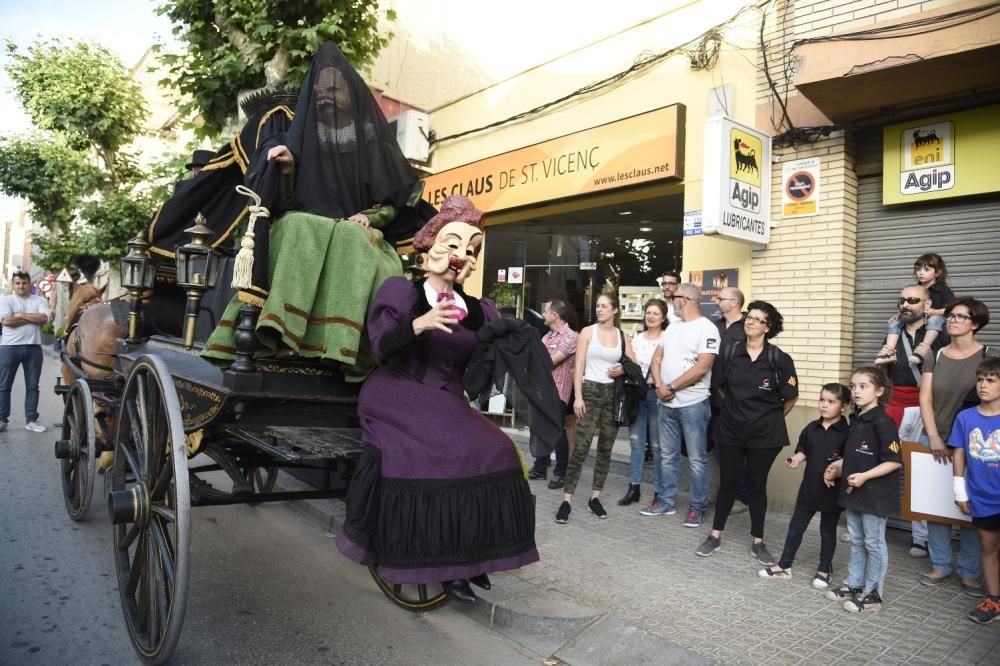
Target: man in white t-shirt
22, 316
682, 371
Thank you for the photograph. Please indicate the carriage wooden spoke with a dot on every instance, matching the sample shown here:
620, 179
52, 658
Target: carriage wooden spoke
77, 450
413, 597
150, 506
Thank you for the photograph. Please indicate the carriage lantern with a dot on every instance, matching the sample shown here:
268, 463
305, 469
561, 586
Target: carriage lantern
196, 272
138, 272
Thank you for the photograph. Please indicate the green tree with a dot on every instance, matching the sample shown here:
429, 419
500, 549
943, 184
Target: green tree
83, 90
238, 45
48, 172
81, 183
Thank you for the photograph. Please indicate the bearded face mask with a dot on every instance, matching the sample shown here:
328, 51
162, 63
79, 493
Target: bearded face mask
455, 251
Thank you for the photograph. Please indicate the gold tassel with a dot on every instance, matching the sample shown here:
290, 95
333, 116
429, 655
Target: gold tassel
243, 267
194, 441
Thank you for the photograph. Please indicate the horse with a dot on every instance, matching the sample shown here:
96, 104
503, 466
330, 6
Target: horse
90, 343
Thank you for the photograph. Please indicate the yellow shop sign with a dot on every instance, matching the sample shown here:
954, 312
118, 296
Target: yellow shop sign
640, 149
941, 157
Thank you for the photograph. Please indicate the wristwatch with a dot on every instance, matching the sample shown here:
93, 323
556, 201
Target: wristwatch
670, 387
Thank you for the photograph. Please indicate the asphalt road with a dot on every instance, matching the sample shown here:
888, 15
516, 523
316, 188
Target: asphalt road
266, 586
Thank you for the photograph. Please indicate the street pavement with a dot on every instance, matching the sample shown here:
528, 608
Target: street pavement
269, 587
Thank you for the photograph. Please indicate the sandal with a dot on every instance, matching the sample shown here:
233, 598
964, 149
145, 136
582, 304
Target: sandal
822, 580
772, 574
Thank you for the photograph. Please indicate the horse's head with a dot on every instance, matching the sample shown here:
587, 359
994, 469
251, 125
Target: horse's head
84, 296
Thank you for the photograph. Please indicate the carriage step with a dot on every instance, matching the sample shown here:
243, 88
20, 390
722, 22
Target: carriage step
298, 444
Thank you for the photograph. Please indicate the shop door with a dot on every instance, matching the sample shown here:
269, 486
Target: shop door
567, 282
890, 238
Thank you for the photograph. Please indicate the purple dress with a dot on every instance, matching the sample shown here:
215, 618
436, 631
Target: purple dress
440, 494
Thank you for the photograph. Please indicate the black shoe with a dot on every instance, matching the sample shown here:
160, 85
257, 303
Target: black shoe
632, 495
596, 508
562, 515
481, 581
538, 476
557, 482
459, 590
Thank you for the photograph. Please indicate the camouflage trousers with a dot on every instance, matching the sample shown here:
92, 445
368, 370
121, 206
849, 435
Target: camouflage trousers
599, 400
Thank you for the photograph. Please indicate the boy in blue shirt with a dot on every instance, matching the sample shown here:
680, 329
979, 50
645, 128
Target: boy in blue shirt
975, 438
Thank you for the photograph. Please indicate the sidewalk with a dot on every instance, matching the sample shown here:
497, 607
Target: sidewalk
630, 590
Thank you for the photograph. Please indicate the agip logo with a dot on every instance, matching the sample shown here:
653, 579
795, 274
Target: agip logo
928, 160
745, 164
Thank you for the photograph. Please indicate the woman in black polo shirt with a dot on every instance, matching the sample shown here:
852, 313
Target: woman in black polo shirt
758, 386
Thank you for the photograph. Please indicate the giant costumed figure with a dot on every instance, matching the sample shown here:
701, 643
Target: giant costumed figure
441, 495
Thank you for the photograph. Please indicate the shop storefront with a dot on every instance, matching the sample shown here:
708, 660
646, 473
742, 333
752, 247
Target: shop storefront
595, 210
927, 185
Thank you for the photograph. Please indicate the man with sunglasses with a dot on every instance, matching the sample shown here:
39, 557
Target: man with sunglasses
906, 377
22, 316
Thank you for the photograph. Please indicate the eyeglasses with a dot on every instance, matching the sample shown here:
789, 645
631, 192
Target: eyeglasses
757, 320
719, 299
910, 300
674, 298
670, 284
957, 317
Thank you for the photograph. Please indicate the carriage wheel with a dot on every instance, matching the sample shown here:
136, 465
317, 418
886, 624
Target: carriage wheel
150, 506
412, 597
76, 450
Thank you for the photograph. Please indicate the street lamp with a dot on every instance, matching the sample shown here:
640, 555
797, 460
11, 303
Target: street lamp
196, 272
138, 272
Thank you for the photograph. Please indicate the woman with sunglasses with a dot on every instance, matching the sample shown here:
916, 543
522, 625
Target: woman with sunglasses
948, 386
759, 387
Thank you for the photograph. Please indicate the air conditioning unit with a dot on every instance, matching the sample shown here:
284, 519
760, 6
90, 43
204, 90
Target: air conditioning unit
412, 129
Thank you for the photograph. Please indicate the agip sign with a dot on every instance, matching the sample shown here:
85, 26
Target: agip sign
736, 198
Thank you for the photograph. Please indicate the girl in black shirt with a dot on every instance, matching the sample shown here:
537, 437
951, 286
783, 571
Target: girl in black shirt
820, 443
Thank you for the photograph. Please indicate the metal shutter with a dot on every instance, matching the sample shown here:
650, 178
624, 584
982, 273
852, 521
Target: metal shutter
966, 232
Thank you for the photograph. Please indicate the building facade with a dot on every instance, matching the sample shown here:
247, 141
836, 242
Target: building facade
564, 154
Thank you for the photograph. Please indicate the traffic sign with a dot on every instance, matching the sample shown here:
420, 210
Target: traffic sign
64, 276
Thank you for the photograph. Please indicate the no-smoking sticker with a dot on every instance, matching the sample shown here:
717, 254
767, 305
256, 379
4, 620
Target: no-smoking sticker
800, 193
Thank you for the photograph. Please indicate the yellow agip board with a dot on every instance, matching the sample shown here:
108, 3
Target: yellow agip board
951, 155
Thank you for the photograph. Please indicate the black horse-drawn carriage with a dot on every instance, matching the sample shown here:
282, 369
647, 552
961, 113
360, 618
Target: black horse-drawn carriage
176, 424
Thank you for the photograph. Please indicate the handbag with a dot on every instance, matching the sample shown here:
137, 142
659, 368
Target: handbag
630, 390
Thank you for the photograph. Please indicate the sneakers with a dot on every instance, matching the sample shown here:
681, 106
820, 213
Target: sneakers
871, 602
562, 515
759, 551
595, 507
658, 508
708, 546
987, 611
822, 580
843, 592
557, 482
771, 574
34, 426
918, 549
887, 359
695, 518
538, 476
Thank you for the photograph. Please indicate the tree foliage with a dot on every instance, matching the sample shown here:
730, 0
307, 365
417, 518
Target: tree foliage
238, 45
49, 173
81, 183
83, 90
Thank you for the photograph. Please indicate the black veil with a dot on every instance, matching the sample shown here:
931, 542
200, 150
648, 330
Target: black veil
346, 155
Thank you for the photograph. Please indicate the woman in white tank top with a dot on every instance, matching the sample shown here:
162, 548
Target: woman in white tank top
598, 356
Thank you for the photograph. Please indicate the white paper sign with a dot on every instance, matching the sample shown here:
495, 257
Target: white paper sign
931, 488
515, 275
